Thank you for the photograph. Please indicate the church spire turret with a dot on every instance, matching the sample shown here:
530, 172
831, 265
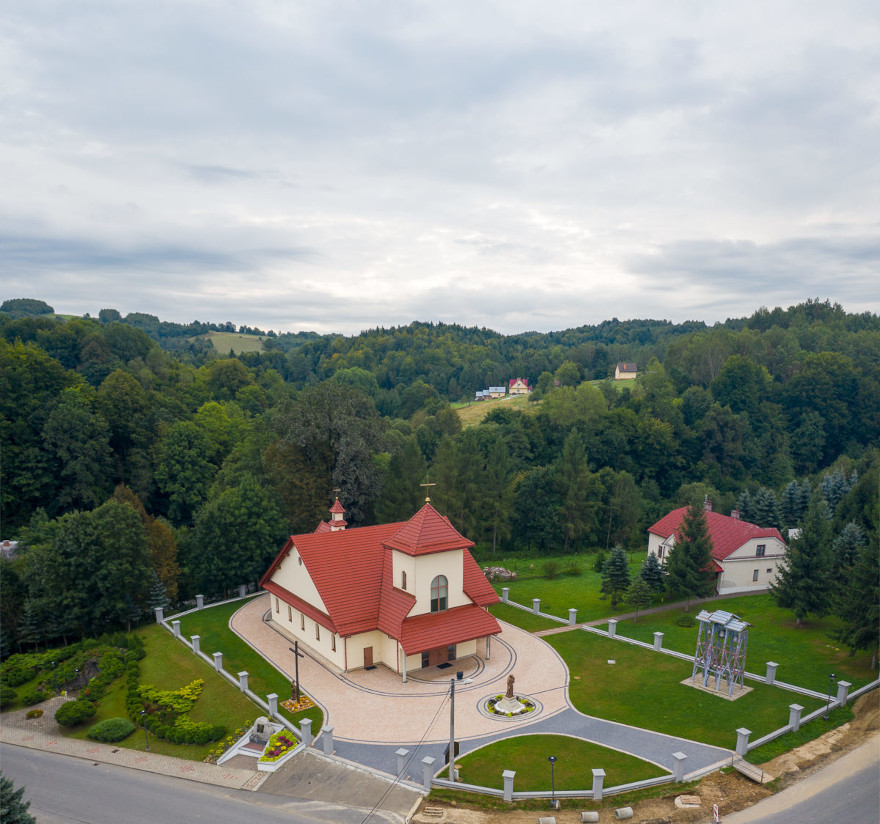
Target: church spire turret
337, 519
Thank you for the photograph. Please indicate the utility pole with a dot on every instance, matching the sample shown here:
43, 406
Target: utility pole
296, 656
452, 730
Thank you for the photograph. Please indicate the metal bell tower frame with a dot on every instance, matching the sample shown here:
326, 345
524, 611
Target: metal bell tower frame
721, 649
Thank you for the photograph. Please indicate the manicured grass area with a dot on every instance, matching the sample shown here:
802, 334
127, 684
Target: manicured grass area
559, 594
212, 625
524, 620
169, 665
806, 655
642, 689
238, 343
576, 759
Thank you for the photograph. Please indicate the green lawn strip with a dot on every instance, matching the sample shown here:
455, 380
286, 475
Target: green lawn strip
560, 594
643, 689
212, 626
527, 755
806, 655
519, 618
808, 732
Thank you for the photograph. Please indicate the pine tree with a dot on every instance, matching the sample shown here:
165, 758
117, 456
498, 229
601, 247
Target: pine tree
857, 602
765, 509
30, 627
653, 575
689, 565
639, 595
804, 581
847, 545
158, 596
13, 809
745, 506
615, 575
790, 505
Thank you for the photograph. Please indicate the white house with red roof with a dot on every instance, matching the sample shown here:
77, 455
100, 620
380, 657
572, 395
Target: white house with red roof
625, 371
519, 386
407, 595
745, 556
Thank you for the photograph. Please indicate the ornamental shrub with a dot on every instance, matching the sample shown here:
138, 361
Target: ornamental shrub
685, 620
75, 712
7, 696
33, 697
111, 730
34, 714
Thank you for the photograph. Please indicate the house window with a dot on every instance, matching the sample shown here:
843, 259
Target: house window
302, 622
451, 652
333, 643
277, 606
299, 558
317, 631
759, 552
439, 589
660, 552
289, 614
426, 660
769, 571
755, 575
403, 579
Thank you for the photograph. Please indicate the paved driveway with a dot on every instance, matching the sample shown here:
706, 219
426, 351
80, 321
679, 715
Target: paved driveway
373, 713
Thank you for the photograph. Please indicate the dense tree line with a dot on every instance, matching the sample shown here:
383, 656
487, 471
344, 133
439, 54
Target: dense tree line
219, 457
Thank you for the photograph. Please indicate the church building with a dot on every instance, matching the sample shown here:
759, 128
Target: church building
407, 595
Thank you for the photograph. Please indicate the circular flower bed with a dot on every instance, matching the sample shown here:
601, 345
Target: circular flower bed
527, 706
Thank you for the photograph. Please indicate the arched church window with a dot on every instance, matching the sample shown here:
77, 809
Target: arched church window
439, 591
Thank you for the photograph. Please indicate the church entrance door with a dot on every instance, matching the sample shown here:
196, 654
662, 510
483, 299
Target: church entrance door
437, 656
368, 656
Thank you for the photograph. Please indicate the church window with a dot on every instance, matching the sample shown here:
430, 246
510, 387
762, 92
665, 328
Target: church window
302, 622
439, 592
333, 643
277, 606
317, 631
289, 613
403, 579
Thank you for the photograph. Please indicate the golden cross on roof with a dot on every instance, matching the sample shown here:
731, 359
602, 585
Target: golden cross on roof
427, 499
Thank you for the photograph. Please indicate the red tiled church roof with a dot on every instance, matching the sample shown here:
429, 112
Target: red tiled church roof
728, 534
352, 571
453, 626
426, 532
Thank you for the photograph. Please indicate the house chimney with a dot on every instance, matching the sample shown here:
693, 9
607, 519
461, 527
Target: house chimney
734, 513
337, 521
707, 504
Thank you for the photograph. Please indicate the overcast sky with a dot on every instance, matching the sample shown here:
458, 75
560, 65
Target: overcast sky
334, 166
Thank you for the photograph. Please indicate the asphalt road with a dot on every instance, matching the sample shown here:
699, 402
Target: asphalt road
847, 790
64, 790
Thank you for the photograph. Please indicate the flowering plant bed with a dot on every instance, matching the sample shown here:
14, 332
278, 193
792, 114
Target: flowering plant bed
527, 706
279, 745
295, 706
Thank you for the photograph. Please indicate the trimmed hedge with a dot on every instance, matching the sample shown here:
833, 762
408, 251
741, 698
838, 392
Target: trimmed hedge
75, 712
7, 696
111, 730
33, 697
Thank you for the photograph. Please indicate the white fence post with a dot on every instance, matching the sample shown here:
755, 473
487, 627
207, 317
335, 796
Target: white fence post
427, 771
612, 627
598, 781
536, 605
572, 616
507, 776
794, 716
658, 641
678, 771
742, 741
402, 755
770, 677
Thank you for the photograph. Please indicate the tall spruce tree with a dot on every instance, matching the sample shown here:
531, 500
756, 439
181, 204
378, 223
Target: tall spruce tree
13, 808
639, 595
615, 575
857, 602
689, 565
804, 580
653, 575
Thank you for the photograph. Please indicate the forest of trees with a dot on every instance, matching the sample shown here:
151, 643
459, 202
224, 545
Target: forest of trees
128, 431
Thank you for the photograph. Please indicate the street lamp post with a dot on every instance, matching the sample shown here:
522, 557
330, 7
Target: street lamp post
146, 734
830, 690
54, 678
552, 760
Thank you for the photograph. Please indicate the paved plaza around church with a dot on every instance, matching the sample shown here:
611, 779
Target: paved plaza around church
373, 713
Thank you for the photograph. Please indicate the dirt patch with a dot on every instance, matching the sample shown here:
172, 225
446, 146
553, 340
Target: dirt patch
729, 790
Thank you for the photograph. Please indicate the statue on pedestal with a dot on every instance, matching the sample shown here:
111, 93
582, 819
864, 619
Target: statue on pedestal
510, 682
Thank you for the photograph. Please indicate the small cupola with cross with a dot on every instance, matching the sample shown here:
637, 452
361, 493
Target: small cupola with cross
337, 516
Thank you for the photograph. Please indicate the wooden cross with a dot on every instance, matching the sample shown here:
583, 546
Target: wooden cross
427, 499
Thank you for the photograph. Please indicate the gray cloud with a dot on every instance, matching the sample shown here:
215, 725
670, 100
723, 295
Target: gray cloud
518, 167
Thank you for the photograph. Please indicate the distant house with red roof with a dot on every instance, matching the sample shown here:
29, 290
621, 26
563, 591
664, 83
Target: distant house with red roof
407, 595
745, 556
519, 386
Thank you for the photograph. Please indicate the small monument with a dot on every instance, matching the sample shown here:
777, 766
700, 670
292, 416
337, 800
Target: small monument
510, 703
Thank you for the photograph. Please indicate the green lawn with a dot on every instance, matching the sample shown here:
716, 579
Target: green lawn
524, 620
806, 655
169, 665
559, 594
212, 625
642, 689
573, 771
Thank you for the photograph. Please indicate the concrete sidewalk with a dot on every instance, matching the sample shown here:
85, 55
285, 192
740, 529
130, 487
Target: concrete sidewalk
234, 779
